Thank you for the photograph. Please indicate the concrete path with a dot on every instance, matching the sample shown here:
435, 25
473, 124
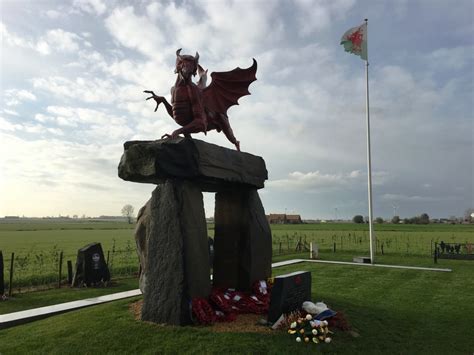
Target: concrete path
16, 318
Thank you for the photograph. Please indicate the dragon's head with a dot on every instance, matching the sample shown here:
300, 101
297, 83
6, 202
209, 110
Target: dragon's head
186, 65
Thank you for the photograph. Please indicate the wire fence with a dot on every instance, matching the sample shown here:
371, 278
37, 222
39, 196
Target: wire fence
54, 268
358, 242
33, 270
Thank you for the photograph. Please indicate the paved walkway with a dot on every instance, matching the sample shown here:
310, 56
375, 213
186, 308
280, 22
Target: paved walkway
16, 318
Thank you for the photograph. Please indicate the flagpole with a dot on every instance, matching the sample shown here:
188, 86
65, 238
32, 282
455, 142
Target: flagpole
369, 164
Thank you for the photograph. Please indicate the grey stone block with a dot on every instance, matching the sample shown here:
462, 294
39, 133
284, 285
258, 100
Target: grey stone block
210, 166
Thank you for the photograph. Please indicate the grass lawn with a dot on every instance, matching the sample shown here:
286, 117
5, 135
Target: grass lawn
394, 311
23, 301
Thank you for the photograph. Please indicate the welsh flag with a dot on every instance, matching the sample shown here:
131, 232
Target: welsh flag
355, 41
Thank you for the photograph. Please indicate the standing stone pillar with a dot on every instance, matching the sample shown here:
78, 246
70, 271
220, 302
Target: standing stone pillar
242, 239
177, 267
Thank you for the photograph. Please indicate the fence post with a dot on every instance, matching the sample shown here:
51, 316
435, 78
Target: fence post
10, 285
435, 256
334, 247
381, 247
2, 281
60, 268
69, 272
280, 248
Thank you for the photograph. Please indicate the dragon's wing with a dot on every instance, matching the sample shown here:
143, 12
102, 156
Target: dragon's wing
228, 87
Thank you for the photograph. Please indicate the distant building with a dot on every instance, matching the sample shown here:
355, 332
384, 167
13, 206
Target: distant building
281, 218
12, 217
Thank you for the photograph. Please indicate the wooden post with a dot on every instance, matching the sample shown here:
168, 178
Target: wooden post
280, 248
381, 247
435, 255
69, 272
2, 281
10, 285
108, 254
60, 269
334, 247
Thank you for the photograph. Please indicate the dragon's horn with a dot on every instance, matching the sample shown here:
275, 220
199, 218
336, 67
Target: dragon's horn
178, 52
196, 57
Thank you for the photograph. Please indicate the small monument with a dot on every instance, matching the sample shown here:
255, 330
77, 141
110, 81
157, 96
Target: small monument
288, 294
91, 268
171, 231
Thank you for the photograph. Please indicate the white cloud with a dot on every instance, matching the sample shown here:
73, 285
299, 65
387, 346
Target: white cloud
316, 15
136, 32
83, 89
10, 112
56, 40
91, 6
62, 41
53, 14
312, 180
13, 97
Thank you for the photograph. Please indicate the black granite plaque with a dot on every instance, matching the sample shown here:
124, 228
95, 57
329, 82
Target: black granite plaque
91, 268
288, 294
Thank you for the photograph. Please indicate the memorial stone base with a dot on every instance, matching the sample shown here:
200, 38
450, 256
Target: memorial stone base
171, 232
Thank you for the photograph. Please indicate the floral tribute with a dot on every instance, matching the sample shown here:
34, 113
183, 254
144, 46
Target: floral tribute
223, 305
309, 330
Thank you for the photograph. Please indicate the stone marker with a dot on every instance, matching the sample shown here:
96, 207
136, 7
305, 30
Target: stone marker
288, 294
91, 268
210, 166
171, 232
361, 259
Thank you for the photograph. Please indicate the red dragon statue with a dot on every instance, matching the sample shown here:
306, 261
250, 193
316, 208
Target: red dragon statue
200, 108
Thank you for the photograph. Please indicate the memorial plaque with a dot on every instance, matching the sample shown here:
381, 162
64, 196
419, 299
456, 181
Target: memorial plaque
91, 268
288, 293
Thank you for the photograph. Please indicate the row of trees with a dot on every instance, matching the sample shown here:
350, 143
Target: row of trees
421, 219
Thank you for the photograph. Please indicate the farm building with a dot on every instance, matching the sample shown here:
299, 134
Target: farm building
281, 218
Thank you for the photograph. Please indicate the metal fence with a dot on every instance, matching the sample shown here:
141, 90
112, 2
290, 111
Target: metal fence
30, 271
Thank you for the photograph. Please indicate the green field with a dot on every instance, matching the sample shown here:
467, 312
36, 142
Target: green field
37, 245
393, 310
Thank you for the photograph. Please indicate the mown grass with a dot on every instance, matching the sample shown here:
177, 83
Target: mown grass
24, 301
394, 311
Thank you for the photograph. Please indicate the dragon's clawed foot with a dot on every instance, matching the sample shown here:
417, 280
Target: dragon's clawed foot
158, 99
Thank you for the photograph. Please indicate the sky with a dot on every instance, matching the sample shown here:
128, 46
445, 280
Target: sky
73, 74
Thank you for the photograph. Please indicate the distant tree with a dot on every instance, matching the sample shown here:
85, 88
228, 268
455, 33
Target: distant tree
396, 219
469, 215
358, 219
127, 211
379, 220
424, 219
